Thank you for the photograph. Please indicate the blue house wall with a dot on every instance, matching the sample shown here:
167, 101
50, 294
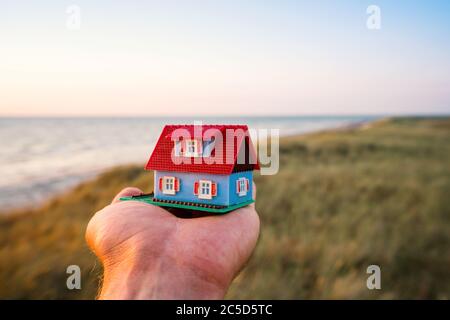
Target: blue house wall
226, 187
186, 192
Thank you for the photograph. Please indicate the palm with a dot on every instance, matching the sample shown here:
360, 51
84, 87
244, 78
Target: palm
215, 247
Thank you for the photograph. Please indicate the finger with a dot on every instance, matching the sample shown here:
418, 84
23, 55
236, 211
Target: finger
253, 194
127, 192
239, 229
245, 216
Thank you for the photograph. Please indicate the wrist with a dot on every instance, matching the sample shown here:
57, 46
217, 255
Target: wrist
160, 278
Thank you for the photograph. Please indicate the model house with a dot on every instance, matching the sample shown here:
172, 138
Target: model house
208, 166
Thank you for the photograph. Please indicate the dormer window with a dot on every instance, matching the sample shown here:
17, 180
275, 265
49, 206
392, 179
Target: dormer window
188, 148
191, 148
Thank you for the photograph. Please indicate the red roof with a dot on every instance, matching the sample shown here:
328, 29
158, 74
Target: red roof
226, 150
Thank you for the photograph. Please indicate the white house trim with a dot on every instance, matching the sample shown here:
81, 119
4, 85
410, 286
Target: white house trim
168, 185
192, 148
205, 189
241, 186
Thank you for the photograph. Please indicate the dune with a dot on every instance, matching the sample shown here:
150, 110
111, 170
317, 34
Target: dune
341, 201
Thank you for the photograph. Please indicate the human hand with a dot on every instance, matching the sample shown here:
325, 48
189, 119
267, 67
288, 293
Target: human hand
149, 253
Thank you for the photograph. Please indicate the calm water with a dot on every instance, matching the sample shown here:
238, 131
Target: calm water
41, 156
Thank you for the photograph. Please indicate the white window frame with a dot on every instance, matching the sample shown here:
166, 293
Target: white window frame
168, 181
208, 185
243, 187
192, 143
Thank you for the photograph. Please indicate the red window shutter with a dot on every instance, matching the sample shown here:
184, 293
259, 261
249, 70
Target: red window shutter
246, 184
196, 187
176, 184
213, 189
160, 184
238, 186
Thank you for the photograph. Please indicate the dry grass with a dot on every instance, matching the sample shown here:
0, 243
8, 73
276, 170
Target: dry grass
341, 201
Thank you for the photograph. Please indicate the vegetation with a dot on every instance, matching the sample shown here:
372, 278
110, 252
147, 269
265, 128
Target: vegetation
341, 201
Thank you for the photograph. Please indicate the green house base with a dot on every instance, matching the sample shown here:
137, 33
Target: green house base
148, 198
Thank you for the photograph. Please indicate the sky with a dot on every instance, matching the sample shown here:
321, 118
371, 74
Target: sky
254, 58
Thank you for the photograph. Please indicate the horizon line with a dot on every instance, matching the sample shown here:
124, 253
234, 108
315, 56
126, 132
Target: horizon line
81, 116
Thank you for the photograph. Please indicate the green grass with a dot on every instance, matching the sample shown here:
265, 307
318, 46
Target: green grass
341, 201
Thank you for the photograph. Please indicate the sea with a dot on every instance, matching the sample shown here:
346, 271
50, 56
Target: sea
40, 157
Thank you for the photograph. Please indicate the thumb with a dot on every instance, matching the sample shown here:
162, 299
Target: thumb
127, 192
253, 194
